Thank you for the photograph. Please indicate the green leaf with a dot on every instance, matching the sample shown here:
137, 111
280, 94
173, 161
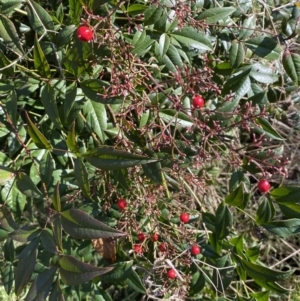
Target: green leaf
37, 137
4, 63
41, 286
190, 37
40, 61
283, 228
7, 278
223, 222
7, 221
176, 118
108, 158
236, 54
265, 211
261, 296
239, 84
92, 87
71, 140
38, 17
50, 105
238, 198
26, 264
25, 234
120, 272
57, 231
74, 272
96, 118
154, 172
248, 27
264, 47
6, 174
286, 194
9, 34
291, 64
82, 177
263, 74
13, 197
266, 129
134, 281
64, 36
136, 9
153, 14
56, 198
9, 6
260, 273
27, 187
82, 226
47, 168
216, 14
48, 241
164, 43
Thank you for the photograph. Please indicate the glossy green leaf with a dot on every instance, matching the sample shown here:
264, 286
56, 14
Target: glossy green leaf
47, 168
263, 74
57, 231
216, 14
265, 211
267, 129
56, 198
120, 272
6, 174
238, 198
48, 241
9, 6
291, 64
283, 228
223, 222
7, 221
153, 14
135, 282
176, 118
7, 278
248, 27
236, 54
25, 234
27, 187
5, 66
26, 264
264, 274
39, 18
286, 194
197, 281
37, 137
81, 175
9, 34
40, 61
14, 198
261, 296
192, 38
164, 43
96, 118
50, 105
74, 272
82, 226
108, 158
64, 36
41, 286
71, 140
136, 9
264, 47
239, 84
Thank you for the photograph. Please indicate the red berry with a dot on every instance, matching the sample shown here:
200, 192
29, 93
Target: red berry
184, 217
171, 274
121, 204
84, 34
263, 186
141, 237
138, 249
163, 247
155, 237
195, 250
198, 101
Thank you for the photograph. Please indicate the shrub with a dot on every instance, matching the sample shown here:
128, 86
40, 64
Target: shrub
86, 125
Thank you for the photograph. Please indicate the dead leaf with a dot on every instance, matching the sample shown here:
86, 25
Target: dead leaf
106, 247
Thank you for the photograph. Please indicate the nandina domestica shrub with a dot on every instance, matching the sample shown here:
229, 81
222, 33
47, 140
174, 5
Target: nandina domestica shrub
136, 140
